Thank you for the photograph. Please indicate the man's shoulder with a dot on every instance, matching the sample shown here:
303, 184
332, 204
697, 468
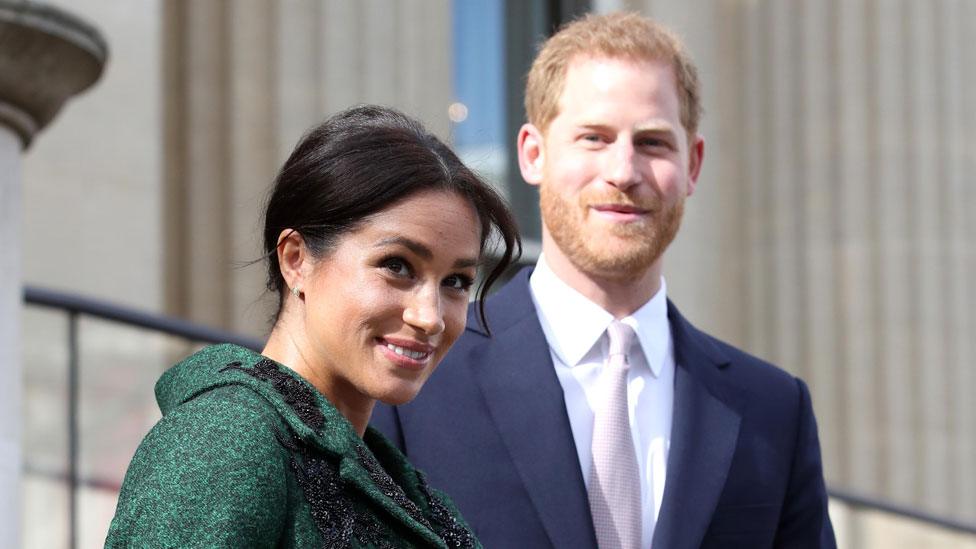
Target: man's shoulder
738, 356
511, 304
739, 371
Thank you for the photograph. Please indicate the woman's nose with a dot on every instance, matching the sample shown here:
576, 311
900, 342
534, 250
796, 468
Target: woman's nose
424, 313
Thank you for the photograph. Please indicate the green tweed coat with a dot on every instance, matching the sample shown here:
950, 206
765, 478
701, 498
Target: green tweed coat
248, 454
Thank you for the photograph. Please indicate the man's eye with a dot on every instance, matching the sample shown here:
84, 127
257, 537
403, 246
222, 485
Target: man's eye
653, 142
397, 266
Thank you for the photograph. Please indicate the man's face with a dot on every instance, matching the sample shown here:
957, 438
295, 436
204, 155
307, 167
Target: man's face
614, 166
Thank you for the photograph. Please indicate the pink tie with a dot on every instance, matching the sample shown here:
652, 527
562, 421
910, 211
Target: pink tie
614, 489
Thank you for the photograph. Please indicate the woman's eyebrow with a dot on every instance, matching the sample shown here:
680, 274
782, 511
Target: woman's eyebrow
421, 250
412, 245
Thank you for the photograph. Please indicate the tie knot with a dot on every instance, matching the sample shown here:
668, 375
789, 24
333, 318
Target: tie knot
621, 338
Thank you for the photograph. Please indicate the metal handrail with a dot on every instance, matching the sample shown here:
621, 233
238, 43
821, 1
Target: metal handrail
126, 315
75, 305
903, 511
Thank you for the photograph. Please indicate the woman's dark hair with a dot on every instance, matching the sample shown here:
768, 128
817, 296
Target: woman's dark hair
360, 162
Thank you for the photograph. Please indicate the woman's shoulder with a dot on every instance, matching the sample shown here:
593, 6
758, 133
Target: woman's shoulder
212, 466
233, 415
213, 421
303, 409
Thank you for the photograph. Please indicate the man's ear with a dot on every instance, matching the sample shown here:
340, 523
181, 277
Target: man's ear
531, 153
695, 154
293, 258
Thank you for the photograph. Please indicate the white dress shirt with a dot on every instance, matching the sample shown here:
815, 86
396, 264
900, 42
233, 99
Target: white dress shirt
575, 329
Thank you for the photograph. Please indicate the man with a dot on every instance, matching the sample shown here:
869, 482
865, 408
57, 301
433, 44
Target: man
594, 413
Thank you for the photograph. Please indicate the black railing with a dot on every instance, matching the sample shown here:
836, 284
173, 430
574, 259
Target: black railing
873, 504
74, 306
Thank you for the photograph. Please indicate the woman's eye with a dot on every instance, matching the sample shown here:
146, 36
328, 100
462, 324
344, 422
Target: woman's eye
397, 266
459, 282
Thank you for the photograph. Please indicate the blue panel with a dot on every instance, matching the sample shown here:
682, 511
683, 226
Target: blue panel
479, 74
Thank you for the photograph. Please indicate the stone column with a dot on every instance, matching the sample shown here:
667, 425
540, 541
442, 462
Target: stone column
46, 56
10, 298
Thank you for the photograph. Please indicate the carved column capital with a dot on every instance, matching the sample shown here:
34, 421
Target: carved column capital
46, 56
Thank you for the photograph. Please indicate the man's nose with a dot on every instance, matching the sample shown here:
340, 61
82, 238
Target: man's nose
620, 170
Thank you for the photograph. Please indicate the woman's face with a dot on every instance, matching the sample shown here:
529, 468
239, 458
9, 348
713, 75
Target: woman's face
383, 307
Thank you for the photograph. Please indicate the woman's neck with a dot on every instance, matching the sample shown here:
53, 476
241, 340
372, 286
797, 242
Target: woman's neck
286, 346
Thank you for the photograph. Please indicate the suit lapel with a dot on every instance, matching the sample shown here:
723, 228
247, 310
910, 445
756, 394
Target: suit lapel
703, 440
526, 403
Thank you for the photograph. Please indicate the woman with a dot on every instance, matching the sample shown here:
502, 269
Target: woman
373, 233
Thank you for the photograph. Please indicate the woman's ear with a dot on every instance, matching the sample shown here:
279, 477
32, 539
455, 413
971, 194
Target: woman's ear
293, 259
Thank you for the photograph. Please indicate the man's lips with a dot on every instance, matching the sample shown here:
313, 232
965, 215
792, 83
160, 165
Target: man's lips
620, 213
620, 208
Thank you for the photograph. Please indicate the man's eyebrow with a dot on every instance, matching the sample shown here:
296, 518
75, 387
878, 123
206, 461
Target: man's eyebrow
655, 127
650, 127
422, 251
596, 126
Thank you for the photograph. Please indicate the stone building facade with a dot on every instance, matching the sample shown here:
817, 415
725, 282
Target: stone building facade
829, 232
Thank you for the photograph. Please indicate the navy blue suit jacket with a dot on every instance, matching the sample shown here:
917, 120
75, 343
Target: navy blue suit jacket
490, 428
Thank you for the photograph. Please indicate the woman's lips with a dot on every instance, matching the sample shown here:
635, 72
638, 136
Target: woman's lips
409, 354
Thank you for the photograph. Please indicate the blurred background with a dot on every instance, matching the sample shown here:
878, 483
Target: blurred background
830, 232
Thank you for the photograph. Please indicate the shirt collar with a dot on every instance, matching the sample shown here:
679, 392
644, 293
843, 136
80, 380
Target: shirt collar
573, 324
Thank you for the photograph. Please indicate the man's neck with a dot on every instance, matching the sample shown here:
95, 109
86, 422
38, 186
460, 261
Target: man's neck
620, 294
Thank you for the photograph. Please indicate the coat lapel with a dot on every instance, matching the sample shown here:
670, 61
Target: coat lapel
324, 430
363, 473
703, 439
526, 403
